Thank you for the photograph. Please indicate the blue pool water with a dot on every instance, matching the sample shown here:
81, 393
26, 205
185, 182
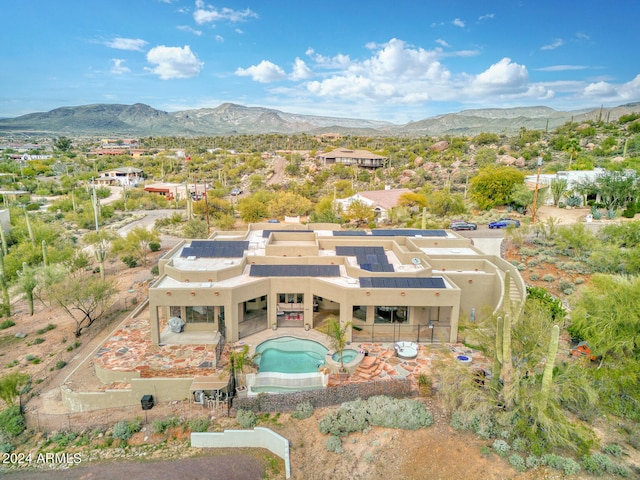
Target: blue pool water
290, 355
348, 355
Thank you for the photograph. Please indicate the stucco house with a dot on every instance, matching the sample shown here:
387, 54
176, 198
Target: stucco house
359, 158
380, 200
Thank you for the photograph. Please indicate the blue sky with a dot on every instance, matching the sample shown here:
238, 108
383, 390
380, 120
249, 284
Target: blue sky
395, 60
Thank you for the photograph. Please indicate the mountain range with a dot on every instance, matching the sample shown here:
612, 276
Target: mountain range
231, 119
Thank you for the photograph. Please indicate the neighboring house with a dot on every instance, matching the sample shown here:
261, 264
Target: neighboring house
13, 195
359, 158
176, 191
573, 178
382, 201
122, 176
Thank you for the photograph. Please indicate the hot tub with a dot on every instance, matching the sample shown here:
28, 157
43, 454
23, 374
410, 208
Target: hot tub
406, 350
351, 359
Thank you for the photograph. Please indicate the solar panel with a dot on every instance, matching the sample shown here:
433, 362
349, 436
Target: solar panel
215, 249
294, 271
402, 282
372, 259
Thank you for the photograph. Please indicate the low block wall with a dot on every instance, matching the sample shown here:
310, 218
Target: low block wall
259, 437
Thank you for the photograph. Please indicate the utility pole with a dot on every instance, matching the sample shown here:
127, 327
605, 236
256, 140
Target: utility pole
95, 202
535, 194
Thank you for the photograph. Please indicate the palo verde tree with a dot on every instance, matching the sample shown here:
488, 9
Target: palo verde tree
493, 185
136, 243
100, 242
10, 386
83, 296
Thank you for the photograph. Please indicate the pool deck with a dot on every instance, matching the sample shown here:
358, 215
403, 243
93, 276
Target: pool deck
129, 348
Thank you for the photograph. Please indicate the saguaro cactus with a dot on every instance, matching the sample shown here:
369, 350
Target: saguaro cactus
547, 376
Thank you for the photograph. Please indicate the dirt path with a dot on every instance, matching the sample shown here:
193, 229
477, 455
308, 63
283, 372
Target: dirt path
278, 171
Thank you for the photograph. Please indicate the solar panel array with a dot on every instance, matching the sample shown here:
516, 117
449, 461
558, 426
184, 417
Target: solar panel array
372, 259
215, 249
401, 282
294, 271
408, 233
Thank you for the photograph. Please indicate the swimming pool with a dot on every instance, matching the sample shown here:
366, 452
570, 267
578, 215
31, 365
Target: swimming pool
290, 355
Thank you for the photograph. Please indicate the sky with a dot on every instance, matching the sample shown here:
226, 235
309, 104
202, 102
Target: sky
395, 61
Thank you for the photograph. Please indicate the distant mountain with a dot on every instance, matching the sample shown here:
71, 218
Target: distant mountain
229, 119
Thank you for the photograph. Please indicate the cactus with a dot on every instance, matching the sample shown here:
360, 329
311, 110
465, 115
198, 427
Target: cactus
45, 253
29, 229
6, 300
424, 218
547, 376
5, 248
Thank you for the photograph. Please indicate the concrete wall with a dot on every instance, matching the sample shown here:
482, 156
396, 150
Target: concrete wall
259, 437
162, 389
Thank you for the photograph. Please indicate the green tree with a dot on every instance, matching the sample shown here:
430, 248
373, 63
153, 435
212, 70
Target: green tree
136, 243
27, 282
10, 386
63, 144
252, 210
195, 228
617, 189
84, 297
359, 213
493, 185
338, 336
558, 188
443, 203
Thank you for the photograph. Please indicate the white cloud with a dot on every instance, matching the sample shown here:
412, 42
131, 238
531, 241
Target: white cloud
624, 92
558, 42
187, 28
300, 70
504, 77
219, 39
264, 72
458, 23
442, 42
174, 62
134, 44
561, 68
488, 16
209, 14
118, 67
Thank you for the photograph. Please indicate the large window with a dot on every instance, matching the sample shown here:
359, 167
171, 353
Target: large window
199, 314
391, 314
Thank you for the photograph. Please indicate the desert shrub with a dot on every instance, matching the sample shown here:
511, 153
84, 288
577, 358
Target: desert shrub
552, 460
519, 445
12, 421
122, 431
51, 326
155, 270
533, 461
60, 364
482, 425
501, 447
29, 358
130, 261
570, 466
6, 324
63, 439
634, 440
612, 449
548, 278
246, 418
198, 424
534, 277
357, 415
333, 444
303, 410
599, 463
38, 341
154, 246
162, 425
517, 462
574, 201
6, 447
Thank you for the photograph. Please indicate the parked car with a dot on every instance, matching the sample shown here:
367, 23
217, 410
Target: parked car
236, 191
462, 225
273, 220
504, 223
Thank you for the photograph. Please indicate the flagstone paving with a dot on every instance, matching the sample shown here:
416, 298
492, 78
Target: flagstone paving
129, 349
